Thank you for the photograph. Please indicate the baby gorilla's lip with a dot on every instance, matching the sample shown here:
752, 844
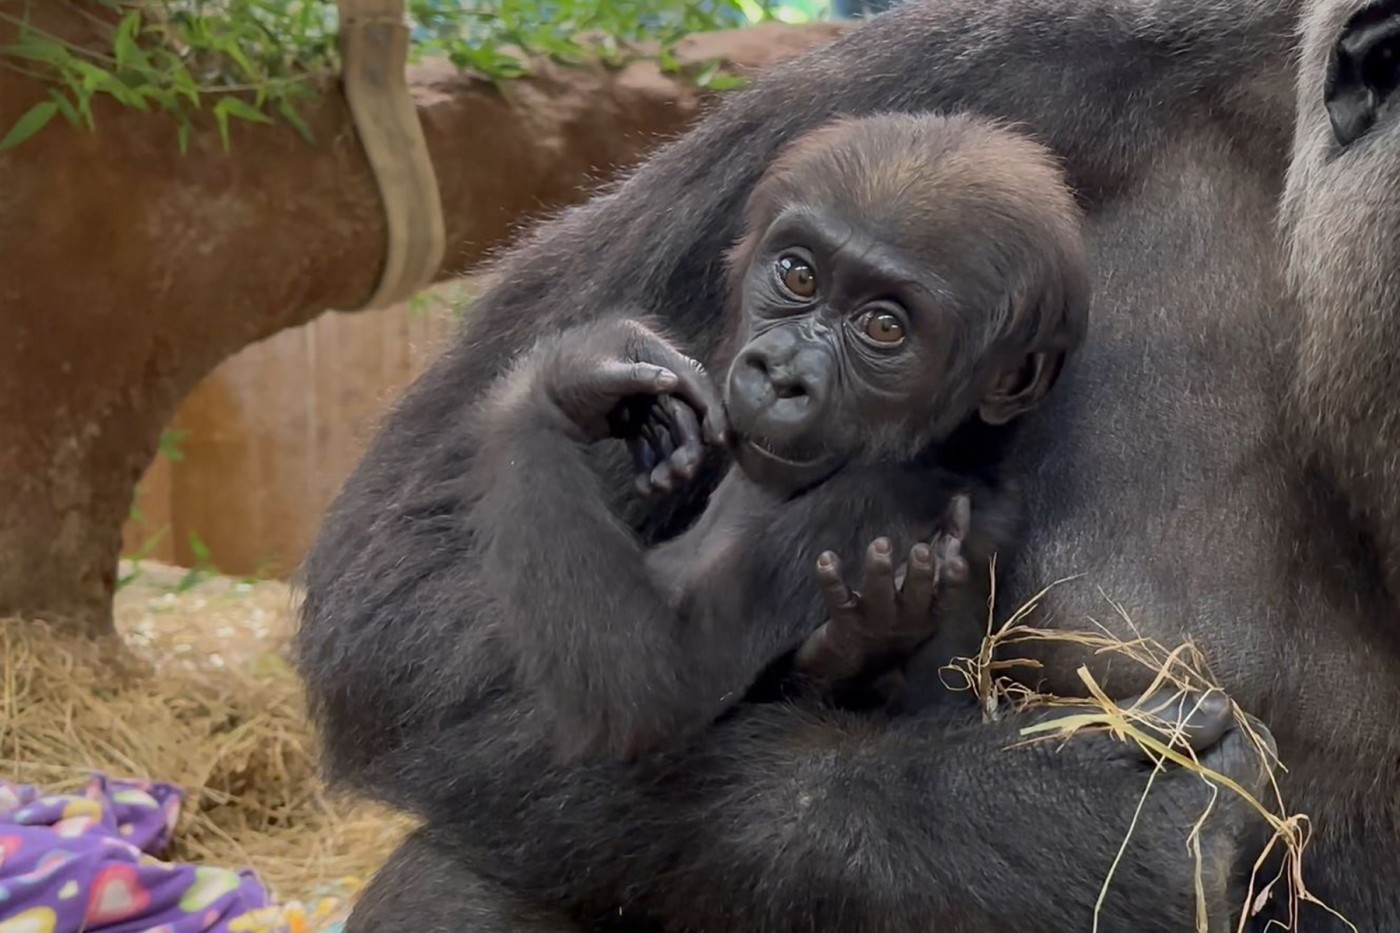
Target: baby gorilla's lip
764, 450
784, 474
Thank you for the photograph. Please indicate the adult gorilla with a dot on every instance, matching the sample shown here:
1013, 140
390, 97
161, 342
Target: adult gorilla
1222, 460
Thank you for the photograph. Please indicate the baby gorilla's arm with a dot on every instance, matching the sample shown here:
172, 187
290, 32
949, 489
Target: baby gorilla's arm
871, 631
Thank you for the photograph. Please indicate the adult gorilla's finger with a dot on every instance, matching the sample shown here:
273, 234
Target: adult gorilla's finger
1199, 719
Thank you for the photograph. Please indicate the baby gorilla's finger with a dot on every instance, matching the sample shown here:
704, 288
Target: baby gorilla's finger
663, 478
951, 566
877, 586
658, 437
696, 389
655, 444
643, 460
619, 379
684, 430
842, 606
960, 516
916, 591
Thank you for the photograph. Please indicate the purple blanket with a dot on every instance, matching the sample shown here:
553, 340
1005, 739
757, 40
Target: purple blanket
86, 863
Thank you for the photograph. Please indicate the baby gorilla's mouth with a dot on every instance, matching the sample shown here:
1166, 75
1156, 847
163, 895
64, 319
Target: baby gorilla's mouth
784, 471
765, 447
770, 450
790, 392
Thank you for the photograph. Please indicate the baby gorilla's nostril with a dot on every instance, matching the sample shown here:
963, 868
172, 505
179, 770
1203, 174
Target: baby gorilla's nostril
758, 363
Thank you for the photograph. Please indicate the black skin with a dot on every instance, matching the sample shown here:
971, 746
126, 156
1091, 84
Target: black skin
891, 325
1219, 459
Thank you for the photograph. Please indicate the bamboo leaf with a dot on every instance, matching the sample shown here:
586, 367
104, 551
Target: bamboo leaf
237, 108
34, 120
128, 53
289, 113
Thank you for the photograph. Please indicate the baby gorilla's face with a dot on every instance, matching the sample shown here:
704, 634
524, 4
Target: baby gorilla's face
900, 276
845, 350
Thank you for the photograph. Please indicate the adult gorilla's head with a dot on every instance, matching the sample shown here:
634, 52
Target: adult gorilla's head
1341, 223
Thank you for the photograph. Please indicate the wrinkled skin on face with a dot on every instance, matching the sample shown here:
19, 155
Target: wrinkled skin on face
878, 311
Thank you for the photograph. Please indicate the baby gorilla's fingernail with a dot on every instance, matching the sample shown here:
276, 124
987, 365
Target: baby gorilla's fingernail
881, 546
826, 561
921, 554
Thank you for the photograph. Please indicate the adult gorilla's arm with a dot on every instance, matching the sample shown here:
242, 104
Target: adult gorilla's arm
398, 669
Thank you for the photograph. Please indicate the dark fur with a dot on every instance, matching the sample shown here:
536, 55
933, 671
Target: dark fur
625, 647
1220, 460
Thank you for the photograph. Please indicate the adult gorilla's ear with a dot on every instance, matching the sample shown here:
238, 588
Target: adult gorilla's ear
1019, 388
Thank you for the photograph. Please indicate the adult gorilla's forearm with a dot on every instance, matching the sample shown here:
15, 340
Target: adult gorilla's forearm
389, 647
786, 819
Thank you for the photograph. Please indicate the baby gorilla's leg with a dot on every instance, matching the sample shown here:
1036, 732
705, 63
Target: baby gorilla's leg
871, 631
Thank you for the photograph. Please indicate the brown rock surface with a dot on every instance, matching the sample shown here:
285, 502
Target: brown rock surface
128, 271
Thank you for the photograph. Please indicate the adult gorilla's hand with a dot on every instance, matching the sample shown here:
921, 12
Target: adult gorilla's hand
620, 379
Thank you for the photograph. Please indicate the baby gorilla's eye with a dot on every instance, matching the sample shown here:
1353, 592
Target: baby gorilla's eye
797, 276
883, 327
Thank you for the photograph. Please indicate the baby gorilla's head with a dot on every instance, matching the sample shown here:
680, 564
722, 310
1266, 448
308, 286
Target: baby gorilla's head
899, 275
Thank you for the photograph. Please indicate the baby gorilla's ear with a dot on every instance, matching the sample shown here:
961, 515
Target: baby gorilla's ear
1019, 388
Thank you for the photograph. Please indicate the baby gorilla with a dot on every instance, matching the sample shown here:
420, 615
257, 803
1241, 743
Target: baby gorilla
907, 288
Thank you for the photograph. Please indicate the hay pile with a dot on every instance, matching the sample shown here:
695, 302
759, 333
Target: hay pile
197, 693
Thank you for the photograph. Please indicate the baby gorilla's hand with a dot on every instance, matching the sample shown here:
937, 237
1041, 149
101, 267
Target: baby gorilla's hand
621, 379
874, 629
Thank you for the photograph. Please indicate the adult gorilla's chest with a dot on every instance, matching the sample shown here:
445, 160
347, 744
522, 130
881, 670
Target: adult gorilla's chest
1155, 475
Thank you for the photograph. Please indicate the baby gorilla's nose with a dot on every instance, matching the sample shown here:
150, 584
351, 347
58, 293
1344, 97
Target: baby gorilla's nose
785, 383
777, 374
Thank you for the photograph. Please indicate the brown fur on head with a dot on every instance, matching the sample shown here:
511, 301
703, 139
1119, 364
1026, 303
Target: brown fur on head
942, 188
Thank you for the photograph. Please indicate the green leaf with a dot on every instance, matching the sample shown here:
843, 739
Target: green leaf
169, 445
237, 108
34, 120
221, 117
241, 60
200, 550
95, 79
183, 138
128, 53
707, 74
289, 113
85, 106
36, 49
65, 107
724, 81
182, 82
